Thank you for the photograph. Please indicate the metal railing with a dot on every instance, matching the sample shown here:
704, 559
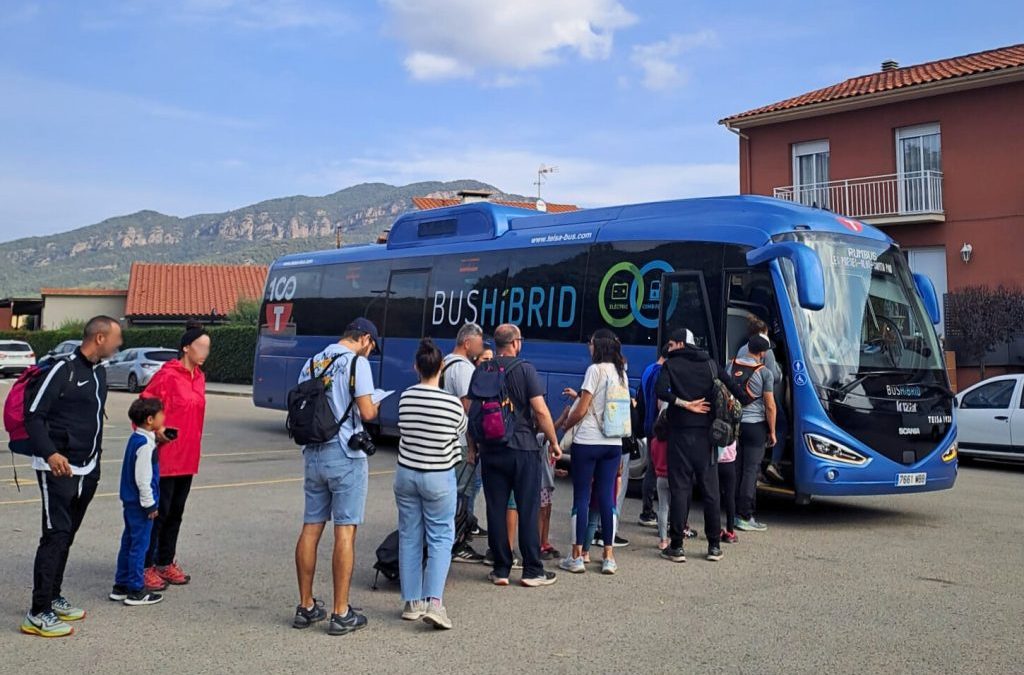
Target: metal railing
909, 193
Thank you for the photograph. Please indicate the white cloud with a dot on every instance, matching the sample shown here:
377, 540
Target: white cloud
658, 60
584, 181
460, 38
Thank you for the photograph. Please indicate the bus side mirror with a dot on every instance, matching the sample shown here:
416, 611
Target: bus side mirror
810, 278
926, 289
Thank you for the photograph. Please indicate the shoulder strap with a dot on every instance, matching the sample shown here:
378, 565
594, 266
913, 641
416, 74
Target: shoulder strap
351, 389
714, 371
323, 372
445, 370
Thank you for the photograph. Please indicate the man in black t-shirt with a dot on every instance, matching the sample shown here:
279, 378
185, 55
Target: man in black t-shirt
517, 467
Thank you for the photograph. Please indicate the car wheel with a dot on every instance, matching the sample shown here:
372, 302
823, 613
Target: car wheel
133, 383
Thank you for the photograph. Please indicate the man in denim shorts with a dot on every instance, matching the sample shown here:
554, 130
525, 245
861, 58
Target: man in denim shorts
336, 477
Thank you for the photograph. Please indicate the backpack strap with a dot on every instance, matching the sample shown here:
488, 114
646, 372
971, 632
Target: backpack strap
330, 364
445, 370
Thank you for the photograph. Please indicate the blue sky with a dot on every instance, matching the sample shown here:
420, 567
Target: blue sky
188, 106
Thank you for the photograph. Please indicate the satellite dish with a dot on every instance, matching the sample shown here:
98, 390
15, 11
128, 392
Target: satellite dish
542, 205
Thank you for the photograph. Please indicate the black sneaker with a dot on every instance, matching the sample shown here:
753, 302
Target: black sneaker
466, 554
648, 520
342, 625
620, 542
675, 554
477, 531
545, 579
140, 598
599, 540
304, 618
689, 533
118, 593
489, 558
714, 553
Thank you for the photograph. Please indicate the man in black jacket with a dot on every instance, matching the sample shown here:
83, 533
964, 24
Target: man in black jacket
64, 420
686, 383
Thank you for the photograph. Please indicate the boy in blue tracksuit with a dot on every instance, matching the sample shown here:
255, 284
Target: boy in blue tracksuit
140, 495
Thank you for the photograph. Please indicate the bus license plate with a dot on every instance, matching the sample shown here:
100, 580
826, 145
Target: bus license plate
910, 479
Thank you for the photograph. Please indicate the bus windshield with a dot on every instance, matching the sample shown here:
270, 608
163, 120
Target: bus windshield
873, 322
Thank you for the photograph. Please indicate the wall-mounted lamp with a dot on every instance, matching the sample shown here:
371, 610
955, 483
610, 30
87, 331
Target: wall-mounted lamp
965, 252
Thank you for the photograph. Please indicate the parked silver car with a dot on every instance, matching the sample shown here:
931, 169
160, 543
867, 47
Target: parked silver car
63, 349
132, 369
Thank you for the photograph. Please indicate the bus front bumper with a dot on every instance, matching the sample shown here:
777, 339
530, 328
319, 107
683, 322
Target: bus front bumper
883, 478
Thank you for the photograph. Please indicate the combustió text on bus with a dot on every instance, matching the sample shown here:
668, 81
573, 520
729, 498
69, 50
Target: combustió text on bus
536, 306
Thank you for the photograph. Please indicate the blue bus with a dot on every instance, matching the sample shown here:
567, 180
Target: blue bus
865, 385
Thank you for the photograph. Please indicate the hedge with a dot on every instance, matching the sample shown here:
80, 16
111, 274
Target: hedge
231, 353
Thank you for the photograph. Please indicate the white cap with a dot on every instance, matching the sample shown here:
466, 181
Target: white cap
689, 337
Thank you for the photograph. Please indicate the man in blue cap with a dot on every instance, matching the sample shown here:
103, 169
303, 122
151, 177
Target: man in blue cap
337, 475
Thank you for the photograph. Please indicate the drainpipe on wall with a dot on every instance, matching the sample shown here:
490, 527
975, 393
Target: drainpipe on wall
743, 189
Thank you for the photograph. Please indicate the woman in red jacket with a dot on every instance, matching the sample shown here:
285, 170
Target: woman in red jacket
181, 385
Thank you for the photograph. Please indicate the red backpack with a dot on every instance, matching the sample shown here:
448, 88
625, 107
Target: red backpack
17, 402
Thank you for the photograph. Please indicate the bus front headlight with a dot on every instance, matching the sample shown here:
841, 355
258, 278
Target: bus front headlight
819, 446
950, 454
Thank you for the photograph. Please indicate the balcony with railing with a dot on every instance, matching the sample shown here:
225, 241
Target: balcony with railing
909, 197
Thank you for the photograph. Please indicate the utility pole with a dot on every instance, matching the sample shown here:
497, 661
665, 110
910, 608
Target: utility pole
337, 236
541, 173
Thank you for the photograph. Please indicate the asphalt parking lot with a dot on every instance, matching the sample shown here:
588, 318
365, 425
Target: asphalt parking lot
923, 583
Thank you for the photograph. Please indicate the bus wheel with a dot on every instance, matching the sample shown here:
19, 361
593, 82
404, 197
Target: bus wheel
803, 499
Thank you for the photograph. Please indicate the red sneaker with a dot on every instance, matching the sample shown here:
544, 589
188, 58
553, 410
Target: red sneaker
173, 574
729, 537
152, 581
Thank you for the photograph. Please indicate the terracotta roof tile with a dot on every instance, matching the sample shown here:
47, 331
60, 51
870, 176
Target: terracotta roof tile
191, 290
424, 203
909, 76
84, 291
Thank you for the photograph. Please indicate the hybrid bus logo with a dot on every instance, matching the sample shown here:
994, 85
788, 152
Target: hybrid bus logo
627, 295
534, 306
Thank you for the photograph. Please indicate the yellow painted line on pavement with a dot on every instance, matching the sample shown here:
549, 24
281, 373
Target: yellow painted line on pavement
117, 460
215, 486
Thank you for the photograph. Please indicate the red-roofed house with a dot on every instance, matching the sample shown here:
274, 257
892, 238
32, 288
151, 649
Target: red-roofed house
162, 294
466, 196
930, 152
61, 306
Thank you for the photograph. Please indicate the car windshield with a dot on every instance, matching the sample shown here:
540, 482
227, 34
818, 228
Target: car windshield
873, 322
160, 355
14, 347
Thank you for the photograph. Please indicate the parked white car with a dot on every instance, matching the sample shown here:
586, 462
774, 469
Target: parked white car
15, 357
990, 419
132, 369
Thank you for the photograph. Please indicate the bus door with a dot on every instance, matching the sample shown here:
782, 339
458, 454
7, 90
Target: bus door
683, 298
751, 292
400, 337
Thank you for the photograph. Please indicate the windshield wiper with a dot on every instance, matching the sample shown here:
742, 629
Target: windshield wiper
845, 389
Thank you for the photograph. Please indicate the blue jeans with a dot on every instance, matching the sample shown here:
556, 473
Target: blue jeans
594, 467
131, 559
426, 517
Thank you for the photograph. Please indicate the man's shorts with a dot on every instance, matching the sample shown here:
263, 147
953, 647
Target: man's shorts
335, 485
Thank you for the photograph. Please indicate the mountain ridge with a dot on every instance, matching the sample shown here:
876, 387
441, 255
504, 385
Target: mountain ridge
101, 254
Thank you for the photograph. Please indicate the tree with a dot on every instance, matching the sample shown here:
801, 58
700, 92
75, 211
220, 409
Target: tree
979, 318
246, 312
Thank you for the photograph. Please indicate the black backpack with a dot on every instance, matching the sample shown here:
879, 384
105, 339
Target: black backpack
727, 412
492, 414
310, 418
387, 559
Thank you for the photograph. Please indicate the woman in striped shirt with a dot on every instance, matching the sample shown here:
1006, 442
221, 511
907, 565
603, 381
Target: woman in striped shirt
430, 422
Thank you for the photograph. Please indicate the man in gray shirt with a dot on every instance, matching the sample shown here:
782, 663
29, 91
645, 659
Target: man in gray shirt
757, 428
456, 372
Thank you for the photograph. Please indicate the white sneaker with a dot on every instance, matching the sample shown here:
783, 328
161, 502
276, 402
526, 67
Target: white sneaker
414, 610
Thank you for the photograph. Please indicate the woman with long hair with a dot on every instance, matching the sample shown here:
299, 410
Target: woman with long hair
181, 385
596, 456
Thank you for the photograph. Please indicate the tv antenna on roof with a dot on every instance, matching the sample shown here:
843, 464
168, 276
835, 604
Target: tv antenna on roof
541, 173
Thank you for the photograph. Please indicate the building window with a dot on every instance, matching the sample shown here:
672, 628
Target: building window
919, 167
810, 173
